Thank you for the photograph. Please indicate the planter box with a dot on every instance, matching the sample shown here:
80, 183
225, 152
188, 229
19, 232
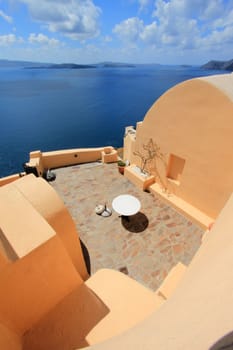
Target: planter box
139, 180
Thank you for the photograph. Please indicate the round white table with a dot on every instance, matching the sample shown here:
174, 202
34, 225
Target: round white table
126, 205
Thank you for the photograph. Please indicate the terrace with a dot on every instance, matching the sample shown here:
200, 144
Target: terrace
146, 247
46, 296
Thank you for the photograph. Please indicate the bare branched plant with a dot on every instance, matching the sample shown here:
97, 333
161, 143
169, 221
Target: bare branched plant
149, 156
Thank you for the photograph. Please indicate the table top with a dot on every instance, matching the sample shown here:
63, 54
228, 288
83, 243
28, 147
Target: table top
126, 205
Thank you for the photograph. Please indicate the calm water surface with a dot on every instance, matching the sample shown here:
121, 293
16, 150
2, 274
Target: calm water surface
51, 109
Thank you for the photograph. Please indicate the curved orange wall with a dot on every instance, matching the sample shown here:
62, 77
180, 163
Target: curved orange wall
194, 121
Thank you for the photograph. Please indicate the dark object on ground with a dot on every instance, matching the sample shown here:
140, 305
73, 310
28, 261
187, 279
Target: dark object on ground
49, 175
30, 169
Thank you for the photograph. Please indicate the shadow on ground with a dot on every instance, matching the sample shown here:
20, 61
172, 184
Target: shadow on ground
224, 343
135, 223
86, 256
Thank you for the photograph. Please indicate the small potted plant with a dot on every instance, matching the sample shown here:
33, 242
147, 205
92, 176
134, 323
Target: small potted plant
121, 166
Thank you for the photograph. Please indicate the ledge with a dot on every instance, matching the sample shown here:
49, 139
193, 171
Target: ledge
185, 208
137, 179
174, 182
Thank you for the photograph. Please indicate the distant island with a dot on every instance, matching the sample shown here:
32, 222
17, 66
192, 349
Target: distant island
39, 65
61, 66
219, 65
115, 64
81, 66
21, 64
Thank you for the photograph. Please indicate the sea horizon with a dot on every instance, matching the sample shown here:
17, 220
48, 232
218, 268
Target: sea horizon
5, 62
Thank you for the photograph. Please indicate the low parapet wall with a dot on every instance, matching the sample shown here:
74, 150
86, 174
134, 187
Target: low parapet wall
57, 159
8, 179
42, 161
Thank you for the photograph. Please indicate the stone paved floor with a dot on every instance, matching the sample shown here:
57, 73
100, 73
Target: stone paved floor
148, 246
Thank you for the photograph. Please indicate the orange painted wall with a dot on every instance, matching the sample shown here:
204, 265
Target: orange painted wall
36, 265
194, 121
199, 313
66, 326
32, 285
9, 340
46, 202
3, 258
22, 227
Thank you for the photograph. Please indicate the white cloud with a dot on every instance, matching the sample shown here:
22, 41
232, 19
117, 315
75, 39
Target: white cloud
9, 39
77, 19
143, 4
107, 39
133, 30
150, 33
224, 21
175, 24
176, 31
129, 30
181, 24
219, 38
208, 9
6, 17
42, 39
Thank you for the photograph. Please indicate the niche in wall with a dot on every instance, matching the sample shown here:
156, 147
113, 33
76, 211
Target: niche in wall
175, 168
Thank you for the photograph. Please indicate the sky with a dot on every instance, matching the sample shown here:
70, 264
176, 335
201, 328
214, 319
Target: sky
132, 31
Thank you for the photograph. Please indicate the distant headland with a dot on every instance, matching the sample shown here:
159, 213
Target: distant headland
219, 65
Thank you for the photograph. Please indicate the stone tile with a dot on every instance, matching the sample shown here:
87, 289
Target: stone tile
148, 246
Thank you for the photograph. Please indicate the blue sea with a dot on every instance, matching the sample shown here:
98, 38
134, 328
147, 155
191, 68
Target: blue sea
51, 109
